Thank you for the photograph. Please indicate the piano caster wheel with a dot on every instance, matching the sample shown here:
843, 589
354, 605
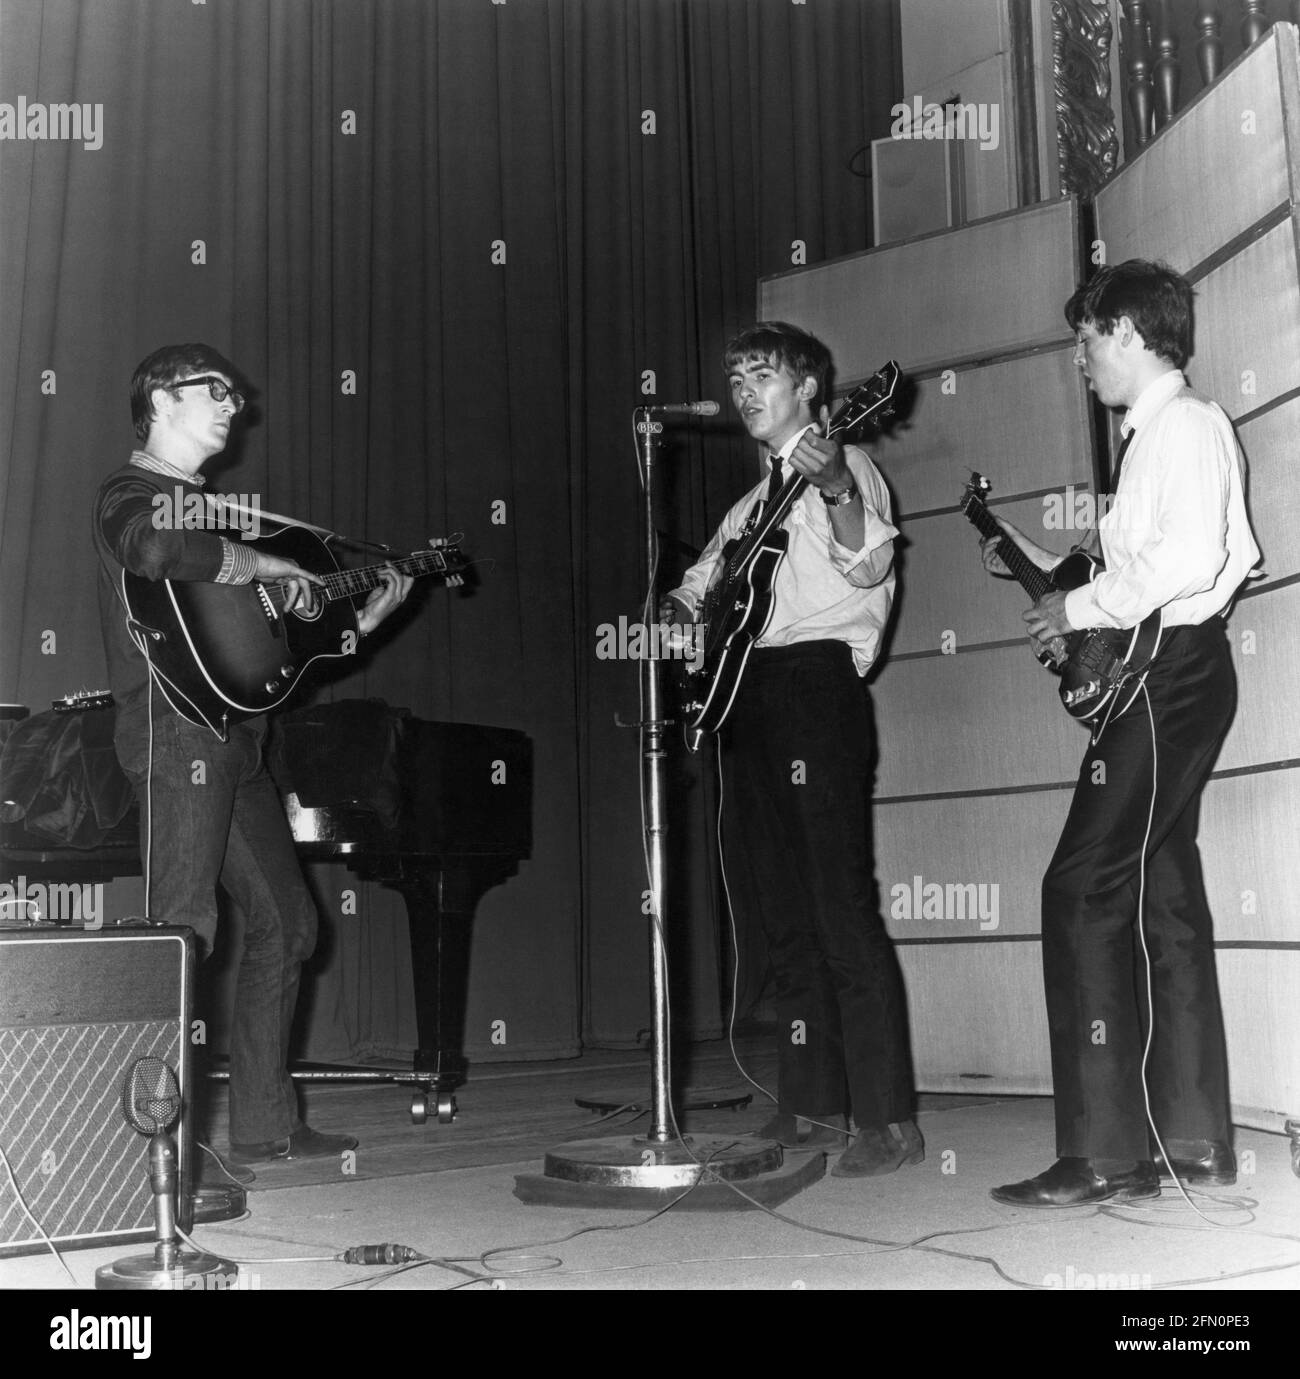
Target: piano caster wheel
419, 1109
446, 1108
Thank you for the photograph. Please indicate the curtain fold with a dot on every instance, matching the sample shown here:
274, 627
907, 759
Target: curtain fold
448, 243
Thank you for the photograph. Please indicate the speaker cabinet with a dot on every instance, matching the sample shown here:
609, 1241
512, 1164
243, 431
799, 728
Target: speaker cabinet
77, 1009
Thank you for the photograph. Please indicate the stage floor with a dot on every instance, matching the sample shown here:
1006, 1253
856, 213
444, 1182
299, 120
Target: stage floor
447, 1191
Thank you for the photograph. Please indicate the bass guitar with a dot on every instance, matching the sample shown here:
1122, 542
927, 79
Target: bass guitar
738, 604
1101, 669
225, 652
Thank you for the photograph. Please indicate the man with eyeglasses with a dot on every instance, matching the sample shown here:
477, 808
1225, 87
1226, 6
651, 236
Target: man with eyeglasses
216, 815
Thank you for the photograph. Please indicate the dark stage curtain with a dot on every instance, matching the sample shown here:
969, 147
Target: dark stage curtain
451, 244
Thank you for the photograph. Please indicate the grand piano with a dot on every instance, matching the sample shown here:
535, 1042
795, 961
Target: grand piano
452, 820
440, 812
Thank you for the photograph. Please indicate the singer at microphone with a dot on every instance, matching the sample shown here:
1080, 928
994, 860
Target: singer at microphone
689, 409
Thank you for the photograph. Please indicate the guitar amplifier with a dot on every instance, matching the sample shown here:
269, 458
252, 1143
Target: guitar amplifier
77, 1009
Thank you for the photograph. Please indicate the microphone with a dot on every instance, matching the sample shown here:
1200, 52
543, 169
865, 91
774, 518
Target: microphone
151, 1102
687, 409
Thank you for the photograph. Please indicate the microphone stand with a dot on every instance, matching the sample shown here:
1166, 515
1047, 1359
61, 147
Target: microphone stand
647, 1170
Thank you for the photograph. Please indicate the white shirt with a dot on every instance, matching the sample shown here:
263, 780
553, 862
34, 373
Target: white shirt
1177, 535
823, 591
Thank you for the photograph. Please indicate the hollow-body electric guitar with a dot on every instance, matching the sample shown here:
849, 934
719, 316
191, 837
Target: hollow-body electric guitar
225, 652
738, 604
1102, 669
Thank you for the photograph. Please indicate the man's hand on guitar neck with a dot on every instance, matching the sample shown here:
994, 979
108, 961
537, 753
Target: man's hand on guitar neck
392, 590
299, 593
1046, 620
1045, 560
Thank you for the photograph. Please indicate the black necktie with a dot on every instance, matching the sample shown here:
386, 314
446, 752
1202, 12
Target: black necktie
776, 481
1119, 458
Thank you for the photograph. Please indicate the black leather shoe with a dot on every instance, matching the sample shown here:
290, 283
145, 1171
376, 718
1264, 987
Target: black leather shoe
881, 1149
1072, 1183
303, 1143
1207, 1162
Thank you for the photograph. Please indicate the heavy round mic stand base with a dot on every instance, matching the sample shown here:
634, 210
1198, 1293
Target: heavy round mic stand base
175, 1271
696, 1172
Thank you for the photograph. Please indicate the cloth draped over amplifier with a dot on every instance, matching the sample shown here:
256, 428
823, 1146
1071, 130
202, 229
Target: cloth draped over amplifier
60, 782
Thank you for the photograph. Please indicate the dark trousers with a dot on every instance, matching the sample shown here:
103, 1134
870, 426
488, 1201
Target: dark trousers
218, 817
1094, 970
798, 760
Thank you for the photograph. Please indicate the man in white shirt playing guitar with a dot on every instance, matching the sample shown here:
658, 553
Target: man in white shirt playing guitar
1177, 538
798, 751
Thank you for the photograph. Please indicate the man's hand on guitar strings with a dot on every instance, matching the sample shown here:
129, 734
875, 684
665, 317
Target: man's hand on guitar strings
672, 610
1046, 621
384, 598
299, 594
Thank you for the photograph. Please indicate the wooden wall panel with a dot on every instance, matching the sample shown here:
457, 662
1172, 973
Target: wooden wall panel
944, 590
989, 287
1216, 170
1273, 485
1015, 421
980, 720
977, 1017
991, 840
1261, 1019
1250, 833
1247, 347
1266, 652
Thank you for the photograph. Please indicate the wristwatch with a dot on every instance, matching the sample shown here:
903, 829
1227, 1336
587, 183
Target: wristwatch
838, 500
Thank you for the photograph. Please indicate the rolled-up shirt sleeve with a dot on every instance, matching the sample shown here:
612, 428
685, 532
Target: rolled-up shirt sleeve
872, 562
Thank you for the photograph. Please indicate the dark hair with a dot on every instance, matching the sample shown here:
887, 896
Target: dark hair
781, 344
167, 366
1156, 299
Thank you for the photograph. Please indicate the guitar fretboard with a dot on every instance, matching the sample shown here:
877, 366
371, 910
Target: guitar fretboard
343, 584
1033, 580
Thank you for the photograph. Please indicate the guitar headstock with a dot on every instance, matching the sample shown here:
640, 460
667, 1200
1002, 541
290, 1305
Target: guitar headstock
875, 398
451, 561
977, 489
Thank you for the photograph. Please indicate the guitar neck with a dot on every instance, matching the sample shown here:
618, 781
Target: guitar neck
1033, 580
343, 584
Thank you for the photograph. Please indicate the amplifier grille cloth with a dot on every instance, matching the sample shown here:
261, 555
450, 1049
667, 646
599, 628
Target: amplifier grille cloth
80, 1167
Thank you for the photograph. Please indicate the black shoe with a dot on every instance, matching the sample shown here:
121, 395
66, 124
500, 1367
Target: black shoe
1072, 1183
1207, 1162
876, 1151
303, 1143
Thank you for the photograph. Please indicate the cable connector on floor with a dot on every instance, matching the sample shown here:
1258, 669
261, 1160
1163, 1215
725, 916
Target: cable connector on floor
379, 1254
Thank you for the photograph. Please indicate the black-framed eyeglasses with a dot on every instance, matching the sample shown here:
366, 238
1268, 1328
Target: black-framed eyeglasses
218, 389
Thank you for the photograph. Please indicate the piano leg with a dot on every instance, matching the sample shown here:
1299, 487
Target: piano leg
440, 906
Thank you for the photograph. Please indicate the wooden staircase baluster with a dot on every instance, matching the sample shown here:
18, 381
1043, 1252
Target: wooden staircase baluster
1167, 69
1138, 59
1254, 23
1209, 47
